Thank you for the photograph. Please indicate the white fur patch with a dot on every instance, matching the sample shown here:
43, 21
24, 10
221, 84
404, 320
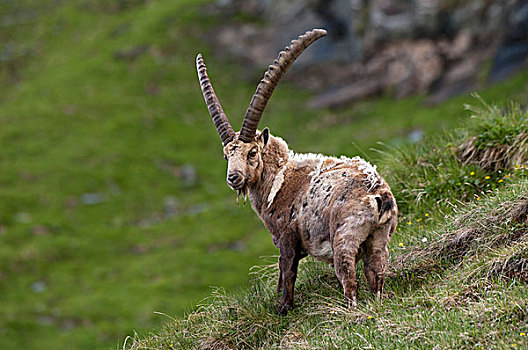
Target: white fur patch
324, 250
276, 185
373, 178
302, 159
317, 170
374, 204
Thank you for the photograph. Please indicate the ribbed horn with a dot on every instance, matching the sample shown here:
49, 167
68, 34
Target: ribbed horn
271, 79
213, 105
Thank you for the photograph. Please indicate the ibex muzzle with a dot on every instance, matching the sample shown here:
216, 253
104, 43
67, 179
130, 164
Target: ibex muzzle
336, 209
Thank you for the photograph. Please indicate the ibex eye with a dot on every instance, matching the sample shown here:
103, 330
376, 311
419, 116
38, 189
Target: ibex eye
252, 154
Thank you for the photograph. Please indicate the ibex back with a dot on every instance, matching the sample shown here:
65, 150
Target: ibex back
338, 210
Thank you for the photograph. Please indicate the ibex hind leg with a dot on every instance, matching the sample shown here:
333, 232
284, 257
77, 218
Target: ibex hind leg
375, 259
279, 282
347, 241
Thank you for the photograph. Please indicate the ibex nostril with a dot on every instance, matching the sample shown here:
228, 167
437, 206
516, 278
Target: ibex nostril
233, 178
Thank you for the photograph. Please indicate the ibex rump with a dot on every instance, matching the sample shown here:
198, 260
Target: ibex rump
336, 209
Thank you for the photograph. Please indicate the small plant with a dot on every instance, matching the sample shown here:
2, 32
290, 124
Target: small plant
500, 138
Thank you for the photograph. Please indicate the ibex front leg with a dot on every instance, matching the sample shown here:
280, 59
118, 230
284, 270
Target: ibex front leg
288, 264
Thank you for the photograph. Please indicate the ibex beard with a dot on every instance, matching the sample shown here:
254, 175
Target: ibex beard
338, 210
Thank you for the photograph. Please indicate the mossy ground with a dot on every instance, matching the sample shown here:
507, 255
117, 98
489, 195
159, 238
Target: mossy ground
113, 203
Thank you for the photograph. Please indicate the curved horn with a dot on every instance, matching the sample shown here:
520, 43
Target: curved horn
213, 105
271, 79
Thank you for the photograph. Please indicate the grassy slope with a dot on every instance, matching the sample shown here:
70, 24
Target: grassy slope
455, 281
80, 121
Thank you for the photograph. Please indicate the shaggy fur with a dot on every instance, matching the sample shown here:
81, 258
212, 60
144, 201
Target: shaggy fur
336, 209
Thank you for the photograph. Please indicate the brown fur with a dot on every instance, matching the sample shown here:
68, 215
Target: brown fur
337, 210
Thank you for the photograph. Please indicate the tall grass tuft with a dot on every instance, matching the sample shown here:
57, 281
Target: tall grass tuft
500, 138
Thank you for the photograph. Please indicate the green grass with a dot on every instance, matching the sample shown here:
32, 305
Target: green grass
80, 125
457, 276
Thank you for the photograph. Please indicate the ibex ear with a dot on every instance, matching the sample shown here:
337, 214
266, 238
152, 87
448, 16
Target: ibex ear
264, 137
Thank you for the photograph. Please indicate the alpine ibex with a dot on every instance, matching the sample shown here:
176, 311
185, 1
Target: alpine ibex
338, 210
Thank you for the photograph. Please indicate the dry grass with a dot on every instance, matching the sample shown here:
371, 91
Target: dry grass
492, 236
500, 139
494, 157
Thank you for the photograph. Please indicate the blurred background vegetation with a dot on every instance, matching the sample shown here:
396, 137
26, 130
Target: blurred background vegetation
113, 204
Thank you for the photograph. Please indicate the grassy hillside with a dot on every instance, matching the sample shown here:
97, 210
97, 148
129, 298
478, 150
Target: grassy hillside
458, 271
113, 203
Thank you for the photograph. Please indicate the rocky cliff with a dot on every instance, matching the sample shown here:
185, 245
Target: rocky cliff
401, 47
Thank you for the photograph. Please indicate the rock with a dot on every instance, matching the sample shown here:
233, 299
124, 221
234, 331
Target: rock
459, 78
197, 209
259, 45
23, 218
40, 230
46, 320
414, 66
415, 135
468, 15
237, 246
512, 54
457, 48
38, 286
400, 46
186, 172
341, 96
68, 325
390, 19
92, 198
171, 206
131, 53
188, 175
510, 59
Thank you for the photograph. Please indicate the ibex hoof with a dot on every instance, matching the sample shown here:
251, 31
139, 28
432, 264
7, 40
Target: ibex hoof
351, 303
283, 309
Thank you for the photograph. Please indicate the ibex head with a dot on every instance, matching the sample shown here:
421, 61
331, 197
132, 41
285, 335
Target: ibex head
243, 151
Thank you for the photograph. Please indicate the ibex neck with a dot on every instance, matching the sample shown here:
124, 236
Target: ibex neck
274, 158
